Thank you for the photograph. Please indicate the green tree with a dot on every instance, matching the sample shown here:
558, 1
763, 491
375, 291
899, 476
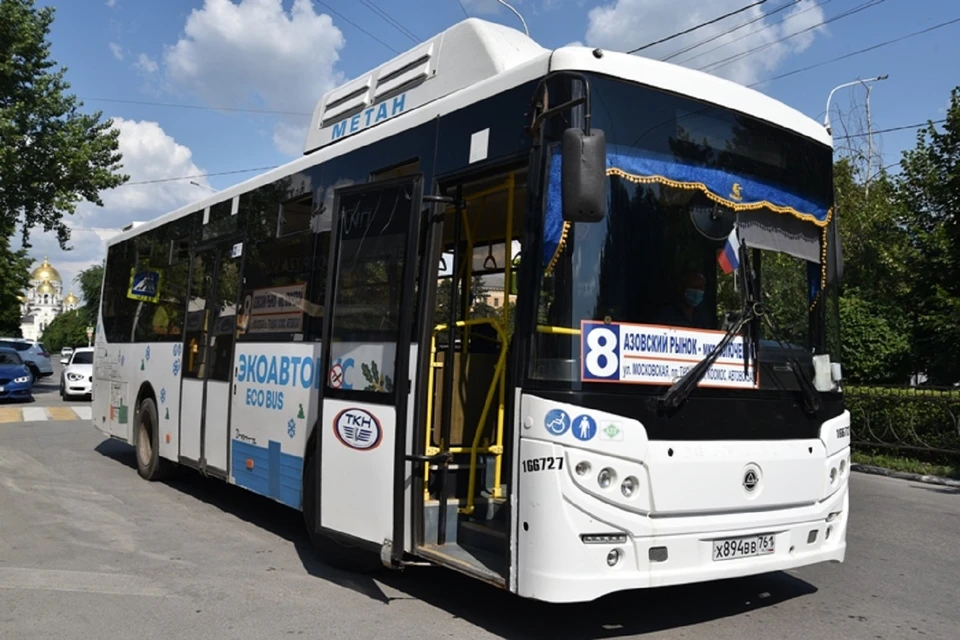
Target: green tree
928, 192
90, 281
67, 330
14, 275
52, 156
876, 347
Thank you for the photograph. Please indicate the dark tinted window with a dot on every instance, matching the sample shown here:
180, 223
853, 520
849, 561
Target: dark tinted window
145, 285
285, 272
638, 120
372, 229
10, 357
82, 357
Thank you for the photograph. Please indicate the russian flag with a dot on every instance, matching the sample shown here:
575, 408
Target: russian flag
729, 257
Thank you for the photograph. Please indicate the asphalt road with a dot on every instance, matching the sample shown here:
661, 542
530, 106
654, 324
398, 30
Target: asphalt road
88, 550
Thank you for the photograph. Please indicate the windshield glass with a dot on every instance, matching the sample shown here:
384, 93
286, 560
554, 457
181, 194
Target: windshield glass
82, 357
9, 357
681, 174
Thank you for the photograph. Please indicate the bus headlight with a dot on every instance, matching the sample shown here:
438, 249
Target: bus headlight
629, 486
833, 476
583, 468
606, 477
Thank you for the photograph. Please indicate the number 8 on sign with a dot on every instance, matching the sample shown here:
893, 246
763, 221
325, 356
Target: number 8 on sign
600, 352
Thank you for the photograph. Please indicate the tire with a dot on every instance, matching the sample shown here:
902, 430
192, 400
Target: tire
63, 390
332, 552
150, 465
34, 372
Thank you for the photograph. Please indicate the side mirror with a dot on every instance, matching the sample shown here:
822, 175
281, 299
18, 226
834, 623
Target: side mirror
584, 175
64, 360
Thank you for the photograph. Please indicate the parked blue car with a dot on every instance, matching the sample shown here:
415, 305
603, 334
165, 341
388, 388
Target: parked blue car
16, 381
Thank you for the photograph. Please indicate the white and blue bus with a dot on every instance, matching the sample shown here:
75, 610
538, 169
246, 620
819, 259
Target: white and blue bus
565, 321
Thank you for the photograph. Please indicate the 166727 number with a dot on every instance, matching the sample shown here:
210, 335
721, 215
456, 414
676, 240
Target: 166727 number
542, 464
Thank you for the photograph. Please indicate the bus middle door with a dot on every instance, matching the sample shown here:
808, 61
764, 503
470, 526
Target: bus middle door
209, 338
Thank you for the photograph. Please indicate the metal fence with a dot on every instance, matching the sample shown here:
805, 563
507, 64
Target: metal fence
919, 421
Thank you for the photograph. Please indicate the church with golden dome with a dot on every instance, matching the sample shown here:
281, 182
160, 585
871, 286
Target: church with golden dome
43, 301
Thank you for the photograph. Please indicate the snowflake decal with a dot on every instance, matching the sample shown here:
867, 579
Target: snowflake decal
122, 359
176, 367
292, 428
163, 396
177, 349
147, 354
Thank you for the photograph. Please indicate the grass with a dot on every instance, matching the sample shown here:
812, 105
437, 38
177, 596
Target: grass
908, 465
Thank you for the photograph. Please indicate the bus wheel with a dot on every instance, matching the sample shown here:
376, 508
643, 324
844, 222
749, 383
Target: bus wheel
150, 465
331, 552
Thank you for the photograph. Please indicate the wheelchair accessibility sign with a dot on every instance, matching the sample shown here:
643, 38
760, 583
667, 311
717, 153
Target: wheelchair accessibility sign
144, 285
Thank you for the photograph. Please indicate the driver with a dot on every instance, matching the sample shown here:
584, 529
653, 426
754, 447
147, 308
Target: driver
686, 310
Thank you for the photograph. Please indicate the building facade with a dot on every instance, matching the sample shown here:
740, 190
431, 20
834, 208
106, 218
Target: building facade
43, 301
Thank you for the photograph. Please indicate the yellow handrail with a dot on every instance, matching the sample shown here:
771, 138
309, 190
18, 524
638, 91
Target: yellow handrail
564, 331
498, 381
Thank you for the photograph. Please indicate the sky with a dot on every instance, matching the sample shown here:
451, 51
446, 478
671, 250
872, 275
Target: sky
222, 89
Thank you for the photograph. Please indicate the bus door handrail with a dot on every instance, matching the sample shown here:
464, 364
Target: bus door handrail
497, 384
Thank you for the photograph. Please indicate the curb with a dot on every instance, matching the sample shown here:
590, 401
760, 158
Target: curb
902, 475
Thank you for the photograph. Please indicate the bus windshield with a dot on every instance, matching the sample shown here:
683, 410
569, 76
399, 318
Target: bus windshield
681, 174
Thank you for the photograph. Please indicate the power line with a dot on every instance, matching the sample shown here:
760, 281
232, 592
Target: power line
753, 33
390, 20
890, 129
351, 22
713, 66
463, 8
858, 52
198, 175
698, 26
196, 106
730, 30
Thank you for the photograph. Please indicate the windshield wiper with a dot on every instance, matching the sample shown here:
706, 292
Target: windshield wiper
751, 310
811, 397
681, 389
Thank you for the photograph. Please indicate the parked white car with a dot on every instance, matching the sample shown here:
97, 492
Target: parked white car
34, 355
77, 377
66, 352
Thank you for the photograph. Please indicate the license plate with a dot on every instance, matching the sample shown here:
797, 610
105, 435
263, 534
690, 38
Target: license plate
743, 547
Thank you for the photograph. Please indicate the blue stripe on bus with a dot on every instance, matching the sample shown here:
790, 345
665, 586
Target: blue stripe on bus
274, 474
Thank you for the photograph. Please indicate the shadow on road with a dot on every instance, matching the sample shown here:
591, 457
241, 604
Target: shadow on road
497, 611
938, 488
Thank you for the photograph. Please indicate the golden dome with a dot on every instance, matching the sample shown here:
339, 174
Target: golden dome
46, 288
71, 299
45, 273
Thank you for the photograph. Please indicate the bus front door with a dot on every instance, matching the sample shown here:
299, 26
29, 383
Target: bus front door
368, 353
209, 336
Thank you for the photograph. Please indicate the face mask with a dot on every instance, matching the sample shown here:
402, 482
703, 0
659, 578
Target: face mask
693, 297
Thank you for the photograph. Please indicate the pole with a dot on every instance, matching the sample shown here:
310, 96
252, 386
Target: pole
866, 182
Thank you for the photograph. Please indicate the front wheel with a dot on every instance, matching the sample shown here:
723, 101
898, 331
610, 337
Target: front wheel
150, 465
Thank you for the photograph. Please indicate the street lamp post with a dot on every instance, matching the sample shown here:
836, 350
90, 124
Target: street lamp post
826, 119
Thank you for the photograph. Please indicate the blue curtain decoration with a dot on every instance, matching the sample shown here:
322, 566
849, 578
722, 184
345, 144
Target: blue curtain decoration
736, 192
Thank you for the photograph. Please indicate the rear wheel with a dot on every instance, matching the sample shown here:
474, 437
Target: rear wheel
150, 465
330, 551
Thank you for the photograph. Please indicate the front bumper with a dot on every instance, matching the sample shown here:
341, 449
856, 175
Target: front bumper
16, 392
83, 387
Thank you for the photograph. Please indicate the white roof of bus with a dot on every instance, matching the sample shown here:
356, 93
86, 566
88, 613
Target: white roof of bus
467, 63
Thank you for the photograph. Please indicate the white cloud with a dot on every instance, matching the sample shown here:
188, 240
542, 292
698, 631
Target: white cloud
146, 64
256, 54
116, 50
626, 24
111, 3
149, 153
